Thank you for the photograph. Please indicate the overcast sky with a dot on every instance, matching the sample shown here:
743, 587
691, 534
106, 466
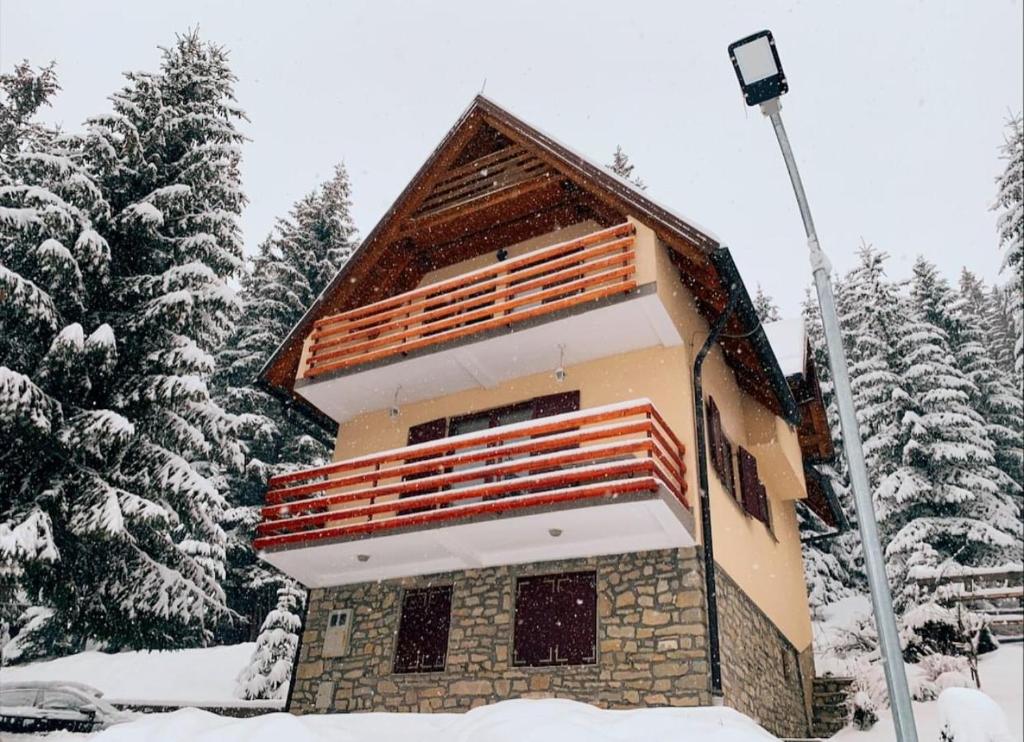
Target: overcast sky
895, 111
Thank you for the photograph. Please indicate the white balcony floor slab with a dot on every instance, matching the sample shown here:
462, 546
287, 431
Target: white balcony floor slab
607, 526
631, 323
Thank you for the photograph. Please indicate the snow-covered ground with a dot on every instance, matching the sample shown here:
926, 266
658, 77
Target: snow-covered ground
206, 677
552, 720
1002, 678
195, 677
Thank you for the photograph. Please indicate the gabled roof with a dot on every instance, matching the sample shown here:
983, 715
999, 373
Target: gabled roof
452, 207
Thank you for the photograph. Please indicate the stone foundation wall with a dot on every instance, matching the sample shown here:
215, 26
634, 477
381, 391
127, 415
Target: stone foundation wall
651, 641
763, 675
651, 638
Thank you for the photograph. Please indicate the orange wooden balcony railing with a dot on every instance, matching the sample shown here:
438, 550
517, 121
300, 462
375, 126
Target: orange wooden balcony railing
603, 451
551, 279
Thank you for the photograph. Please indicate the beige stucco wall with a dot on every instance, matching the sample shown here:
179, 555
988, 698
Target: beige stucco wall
481, 261
767, 564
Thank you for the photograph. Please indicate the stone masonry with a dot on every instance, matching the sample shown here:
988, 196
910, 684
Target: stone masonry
762, 673
651, 637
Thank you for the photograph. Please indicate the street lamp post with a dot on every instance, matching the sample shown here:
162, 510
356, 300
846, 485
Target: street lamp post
762, 80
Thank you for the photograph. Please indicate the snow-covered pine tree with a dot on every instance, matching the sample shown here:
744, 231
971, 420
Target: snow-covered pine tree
168, 157
621, 166
765, 307
292, 267
999, 401
1010, 204
999, 310
943, 506
831, 565
269, 671
57, 357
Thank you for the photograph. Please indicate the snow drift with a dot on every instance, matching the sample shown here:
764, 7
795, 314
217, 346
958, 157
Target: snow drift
509, 721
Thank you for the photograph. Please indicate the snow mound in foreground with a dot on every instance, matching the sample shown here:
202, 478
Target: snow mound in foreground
552, 720
968, 715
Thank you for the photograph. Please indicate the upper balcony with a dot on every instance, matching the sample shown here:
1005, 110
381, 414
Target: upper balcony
605, 480
581, 299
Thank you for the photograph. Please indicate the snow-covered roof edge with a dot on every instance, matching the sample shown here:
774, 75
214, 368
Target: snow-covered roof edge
788, 338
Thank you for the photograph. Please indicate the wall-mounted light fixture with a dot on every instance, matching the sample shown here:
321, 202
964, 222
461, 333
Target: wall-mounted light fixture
560, 372
393, 411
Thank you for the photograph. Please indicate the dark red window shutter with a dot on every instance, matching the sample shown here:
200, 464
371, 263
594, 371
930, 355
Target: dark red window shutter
720, 449
730, 478
422, 641
755, 496
764, 513
748, 479
556, 620
711, 422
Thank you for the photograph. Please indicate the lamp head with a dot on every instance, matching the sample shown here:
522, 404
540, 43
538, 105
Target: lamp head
758, 68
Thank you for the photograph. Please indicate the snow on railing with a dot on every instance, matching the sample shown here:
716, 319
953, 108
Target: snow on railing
600, 452
551, 279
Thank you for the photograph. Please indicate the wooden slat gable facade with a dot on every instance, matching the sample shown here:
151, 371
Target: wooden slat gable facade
495, 181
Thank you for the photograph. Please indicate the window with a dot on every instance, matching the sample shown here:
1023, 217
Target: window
532, 409
556, 620
423, 433
720, 448
23, 697
61, 700
422, 643
754, 495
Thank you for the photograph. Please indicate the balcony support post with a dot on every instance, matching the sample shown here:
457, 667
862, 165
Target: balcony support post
707, 545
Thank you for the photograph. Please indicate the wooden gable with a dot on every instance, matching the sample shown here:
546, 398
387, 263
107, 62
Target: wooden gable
495, 181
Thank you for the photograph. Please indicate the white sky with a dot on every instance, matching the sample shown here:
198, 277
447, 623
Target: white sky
895, 111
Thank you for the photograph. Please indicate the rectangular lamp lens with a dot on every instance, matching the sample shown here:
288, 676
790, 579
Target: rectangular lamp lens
755, 60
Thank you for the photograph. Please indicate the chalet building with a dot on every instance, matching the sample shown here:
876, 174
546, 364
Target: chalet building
514, 507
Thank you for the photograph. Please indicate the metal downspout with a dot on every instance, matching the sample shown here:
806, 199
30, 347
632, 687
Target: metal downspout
710, 587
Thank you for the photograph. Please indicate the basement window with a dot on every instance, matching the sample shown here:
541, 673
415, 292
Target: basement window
556, 620
422, 642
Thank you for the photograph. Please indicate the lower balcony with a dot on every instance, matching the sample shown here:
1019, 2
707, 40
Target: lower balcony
605, 480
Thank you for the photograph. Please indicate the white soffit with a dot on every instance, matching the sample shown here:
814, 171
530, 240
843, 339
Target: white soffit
613, 527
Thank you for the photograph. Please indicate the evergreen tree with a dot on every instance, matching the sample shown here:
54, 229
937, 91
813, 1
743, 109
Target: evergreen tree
169, 155
270, 669
765, 307
998, 400
832, 565
293, 266
621, 166
57, 434
1010, 204
942, 505
999, 310
133, 509
871, 320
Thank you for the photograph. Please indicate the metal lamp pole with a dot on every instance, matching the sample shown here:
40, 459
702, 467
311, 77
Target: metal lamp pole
874, 563
765, 84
